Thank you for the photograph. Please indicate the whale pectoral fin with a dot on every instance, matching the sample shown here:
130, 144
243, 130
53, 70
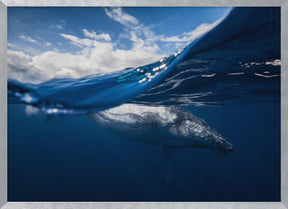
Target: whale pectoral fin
168, 155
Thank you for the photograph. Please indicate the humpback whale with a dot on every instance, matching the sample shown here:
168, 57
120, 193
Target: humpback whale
169, 127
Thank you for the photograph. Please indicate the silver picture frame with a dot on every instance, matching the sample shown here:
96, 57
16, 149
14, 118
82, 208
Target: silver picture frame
5, 204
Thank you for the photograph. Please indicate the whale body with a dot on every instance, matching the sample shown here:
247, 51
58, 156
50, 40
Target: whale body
164, 126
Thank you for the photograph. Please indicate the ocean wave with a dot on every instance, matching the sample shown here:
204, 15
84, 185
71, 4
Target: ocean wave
229, 62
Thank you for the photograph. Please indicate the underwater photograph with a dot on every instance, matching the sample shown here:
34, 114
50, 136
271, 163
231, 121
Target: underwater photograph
144, 103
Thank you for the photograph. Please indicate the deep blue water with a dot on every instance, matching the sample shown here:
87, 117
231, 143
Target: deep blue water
80, 161
229, 77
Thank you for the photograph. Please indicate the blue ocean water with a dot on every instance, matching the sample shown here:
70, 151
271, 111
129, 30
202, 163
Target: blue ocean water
229, 77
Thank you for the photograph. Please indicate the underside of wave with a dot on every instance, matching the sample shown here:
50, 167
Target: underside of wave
237, 60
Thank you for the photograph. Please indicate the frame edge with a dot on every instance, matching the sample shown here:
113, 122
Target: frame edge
3, 104
144, 205
2, 3
284, 104
151, 3
3, 94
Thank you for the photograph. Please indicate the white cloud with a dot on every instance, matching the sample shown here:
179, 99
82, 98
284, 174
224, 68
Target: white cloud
32, 50
189, 36
77, 41
118, 15
27, 38
137, 28
11, 45
18, 57
93, 35
21, 68
130, 22
94, 57
97, 53
59, 26
142, 35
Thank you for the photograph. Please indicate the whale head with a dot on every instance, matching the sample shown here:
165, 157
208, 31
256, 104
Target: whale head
218, 144
197, 132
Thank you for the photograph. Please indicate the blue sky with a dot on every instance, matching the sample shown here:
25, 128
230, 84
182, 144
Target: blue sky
45, 43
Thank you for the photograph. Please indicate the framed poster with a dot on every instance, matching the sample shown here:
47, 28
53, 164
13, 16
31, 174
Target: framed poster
143, 105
